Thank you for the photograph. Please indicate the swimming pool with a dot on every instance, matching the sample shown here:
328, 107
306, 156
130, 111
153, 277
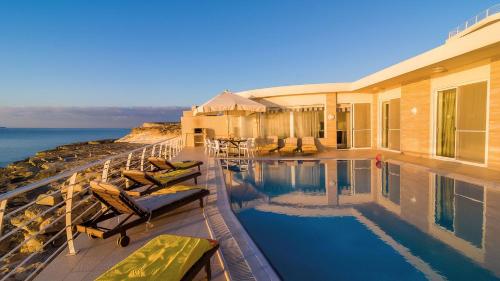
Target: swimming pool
361, 220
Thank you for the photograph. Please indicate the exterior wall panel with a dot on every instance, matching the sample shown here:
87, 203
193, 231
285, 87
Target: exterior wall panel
415, 118
331, 125
494, 121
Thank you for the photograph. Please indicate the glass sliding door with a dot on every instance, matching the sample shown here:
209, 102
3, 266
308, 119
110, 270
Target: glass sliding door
385, 124
394, 124
471, 122
344, 126
308, 123
362, 125
459, 208
390, 124
461, 123
275, 124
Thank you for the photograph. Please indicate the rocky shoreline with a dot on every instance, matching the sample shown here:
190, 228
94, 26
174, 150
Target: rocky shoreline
37, 224
51, 162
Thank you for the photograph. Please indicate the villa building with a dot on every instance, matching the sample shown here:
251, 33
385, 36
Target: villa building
442, 104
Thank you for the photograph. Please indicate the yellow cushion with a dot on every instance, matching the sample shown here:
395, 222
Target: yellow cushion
269, 147
166, 257
184, 165
175, 189
164, 178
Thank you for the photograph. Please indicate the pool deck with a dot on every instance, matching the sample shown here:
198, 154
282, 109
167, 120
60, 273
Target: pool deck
96, 256
238, 257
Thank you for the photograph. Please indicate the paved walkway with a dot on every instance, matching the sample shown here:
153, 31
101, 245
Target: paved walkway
96, 256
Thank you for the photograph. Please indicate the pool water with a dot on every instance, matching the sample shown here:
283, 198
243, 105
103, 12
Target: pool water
361, 220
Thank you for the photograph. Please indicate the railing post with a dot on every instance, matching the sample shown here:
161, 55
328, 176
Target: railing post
127, 167
69, 223
3, 206
142, 159
153, 150
105, 171
170, 150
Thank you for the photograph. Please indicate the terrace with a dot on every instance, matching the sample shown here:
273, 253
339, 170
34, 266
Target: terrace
238, 259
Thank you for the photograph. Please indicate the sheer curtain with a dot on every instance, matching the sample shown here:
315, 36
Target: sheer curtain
445, 142
307, 123
362, 125
275, 124
445, 203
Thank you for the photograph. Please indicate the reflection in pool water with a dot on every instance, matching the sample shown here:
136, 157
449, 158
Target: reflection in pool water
354, 220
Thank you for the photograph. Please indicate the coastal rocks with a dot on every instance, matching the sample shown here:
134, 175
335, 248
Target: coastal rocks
153, 132
43, 209
51, 162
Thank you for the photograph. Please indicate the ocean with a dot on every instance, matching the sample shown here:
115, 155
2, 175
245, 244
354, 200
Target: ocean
20, 143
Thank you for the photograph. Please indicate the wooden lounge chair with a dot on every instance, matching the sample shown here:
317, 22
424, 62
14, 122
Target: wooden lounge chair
308, 145
147, 182
136, 210
290, 146
166, 257
163, 164
270, 147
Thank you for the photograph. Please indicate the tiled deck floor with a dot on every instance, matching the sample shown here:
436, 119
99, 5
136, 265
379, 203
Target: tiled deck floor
96, 256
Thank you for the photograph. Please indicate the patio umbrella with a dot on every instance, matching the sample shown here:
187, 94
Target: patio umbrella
230, 104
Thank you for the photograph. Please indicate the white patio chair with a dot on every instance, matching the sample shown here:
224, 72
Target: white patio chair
248, 148
221, 149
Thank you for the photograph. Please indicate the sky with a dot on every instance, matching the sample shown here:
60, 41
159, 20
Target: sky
142, 54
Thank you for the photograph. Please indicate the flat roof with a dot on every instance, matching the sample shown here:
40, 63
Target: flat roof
483, 41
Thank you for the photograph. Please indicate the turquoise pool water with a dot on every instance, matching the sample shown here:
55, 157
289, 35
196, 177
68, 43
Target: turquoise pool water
359, 220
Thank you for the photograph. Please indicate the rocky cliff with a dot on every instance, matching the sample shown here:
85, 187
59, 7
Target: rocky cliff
153, 132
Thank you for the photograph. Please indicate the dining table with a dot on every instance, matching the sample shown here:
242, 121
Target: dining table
232, 143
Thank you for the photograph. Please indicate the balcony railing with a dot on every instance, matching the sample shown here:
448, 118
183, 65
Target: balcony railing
474, 20
37, 220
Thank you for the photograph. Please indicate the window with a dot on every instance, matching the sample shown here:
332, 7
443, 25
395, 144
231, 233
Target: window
461, 123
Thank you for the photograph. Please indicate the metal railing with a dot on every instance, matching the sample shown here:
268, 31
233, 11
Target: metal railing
37, 220
495, 9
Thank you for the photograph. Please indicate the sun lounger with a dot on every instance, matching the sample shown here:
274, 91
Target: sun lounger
163, 164
166, 257
147, 182
270, 147
290, 146
136, 210
308, 145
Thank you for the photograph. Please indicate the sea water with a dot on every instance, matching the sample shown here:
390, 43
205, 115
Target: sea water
20, 143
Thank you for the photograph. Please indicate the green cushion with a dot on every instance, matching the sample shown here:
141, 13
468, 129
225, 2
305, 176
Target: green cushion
165, 178
166, 257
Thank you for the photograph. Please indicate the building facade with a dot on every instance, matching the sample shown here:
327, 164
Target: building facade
442, 104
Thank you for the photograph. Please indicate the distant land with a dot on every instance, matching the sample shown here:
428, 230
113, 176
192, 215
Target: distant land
87, 117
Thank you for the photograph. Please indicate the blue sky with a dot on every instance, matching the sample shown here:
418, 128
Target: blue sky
178, 53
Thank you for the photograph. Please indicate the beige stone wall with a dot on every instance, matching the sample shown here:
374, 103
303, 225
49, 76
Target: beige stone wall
331, 125
216, 126
415, 196
375, 121
415, 118
494, 118
492, 229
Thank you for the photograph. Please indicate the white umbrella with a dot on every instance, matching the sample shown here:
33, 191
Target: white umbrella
230, 104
